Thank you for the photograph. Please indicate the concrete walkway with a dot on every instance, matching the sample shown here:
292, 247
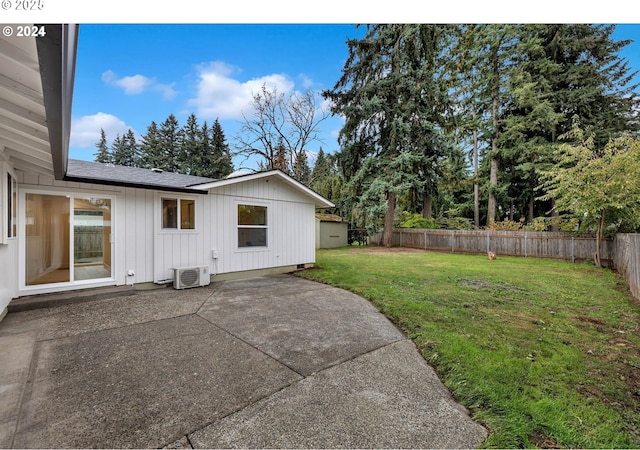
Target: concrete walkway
270, 362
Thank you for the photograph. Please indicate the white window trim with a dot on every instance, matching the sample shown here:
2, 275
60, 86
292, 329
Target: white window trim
266, 248
172, 196
5, 172
73, 284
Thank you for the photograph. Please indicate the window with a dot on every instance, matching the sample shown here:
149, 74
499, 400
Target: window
252, 226
180, 212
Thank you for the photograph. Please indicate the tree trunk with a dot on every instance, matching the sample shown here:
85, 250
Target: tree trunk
427, 206
476, 187
554, 215
600, 232
493, 177
493, 183
387, 231
531, 199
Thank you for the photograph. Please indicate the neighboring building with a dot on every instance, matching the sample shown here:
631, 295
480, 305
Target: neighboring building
69, 224
331, 231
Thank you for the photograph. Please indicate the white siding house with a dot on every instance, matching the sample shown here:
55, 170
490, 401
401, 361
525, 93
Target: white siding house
69, 224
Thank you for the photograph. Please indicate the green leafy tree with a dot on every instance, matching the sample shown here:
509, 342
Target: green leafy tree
328, 181
562, 70
600, 186
103, 155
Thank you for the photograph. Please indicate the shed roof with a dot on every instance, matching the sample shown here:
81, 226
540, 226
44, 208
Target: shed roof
328, 218
99, 173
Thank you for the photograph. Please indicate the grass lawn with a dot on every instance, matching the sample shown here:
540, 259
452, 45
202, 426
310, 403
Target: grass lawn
543, 353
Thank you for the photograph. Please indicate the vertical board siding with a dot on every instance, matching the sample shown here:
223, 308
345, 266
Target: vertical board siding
151, 253
291, 227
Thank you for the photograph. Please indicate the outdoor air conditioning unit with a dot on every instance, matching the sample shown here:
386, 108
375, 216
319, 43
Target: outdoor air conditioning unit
186, 277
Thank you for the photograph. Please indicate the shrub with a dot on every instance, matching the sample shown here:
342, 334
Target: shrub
417, 221
505, 225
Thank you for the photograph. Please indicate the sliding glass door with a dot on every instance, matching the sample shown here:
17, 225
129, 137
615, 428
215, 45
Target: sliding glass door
68, 238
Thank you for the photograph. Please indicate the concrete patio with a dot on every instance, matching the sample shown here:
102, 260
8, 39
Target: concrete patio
269, 362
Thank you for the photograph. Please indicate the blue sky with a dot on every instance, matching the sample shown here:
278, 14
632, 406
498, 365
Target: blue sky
129, 75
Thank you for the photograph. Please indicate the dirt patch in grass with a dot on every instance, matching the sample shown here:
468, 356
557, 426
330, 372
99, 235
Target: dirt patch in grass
540, 440
490, 285
591, 320
375, 250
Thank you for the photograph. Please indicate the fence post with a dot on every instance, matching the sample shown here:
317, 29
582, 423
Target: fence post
425, 239
400, 238
573, 257
488, 242
453, 240
525, 244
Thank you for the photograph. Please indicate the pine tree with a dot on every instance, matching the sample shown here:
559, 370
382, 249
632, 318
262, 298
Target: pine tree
124, 149
220, 163
301, 169
392, 99
280, 158
151, 154
190, 153
103, 155
170, 139
117, 149
321, 168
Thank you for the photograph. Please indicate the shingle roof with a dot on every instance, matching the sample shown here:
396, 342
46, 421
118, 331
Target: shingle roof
99, 173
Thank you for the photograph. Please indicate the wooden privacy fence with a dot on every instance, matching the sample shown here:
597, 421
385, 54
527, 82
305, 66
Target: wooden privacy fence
626, 260
88, 242
622, 252
532, 244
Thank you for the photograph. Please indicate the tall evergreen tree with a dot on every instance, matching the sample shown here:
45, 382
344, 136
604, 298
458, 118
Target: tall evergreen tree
562, 70
392, 100
191, 151
151, 154
220, 160
118, 150
321, 168
170, 139
301, 169
124, 150
103, 155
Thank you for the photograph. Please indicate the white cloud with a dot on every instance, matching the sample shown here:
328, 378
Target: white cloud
137, 84
85, 130
219, 95
307, 82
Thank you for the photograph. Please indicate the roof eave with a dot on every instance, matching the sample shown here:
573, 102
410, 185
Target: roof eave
319, 200
57, 59
155, 187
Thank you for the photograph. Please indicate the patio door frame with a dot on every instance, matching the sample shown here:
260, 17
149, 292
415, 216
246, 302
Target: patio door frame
25, 289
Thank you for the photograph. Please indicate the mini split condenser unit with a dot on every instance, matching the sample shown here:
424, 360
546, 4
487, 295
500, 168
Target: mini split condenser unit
187, 277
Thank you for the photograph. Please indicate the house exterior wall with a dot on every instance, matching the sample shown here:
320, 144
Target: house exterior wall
8, 246
291, 226
143, 248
